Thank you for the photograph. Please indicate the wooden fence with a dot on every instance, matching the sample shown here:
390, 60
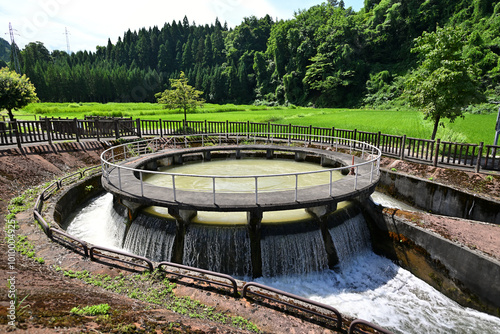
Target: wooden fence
435, 152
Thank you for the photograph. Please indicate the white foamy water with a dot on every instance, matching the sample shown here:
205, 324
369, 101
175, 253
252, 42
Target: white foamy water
373, 288
389, 202
98, 223
366, 286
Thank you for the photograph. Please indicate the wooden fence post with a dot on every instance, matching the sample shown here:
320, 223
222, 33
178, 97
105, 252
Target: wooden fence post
436, 153
117, 128
378, 139
49, 130
18, 137
138, 127
403, 145
479, 156
96, 126
77, 130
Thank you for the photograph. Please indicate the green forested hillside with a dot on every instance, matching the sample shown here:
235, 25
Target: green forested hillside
4, 51
327, 56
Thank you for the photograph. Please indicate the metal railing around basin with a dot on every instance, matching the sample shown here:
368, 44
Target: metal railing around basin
94, 252
114, 161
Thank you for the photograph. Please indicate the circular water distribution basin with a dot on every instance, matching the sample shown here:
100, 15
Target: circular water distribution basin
238, 175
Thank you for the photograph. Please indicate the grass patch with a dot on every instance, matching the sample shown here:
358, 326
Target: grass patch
155, 288
91, 310
22, 244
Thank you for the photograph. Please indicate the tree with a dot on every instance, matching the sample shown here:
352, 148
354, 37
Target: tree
181, 96
15, 91
445, 81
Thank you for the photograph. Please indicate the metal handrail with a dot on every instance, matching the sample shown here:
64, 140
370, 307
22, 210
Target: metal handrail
83, 244
233, 284
359, 322
93, 254
45, 227
353, 145
338, 316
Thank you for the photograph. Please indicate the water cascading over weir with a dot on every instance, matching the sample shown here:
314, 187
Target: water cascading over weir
265, 206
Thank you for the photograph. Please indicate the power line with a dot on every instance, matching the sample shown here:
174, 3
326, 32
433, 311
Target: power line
13, 50
66, 32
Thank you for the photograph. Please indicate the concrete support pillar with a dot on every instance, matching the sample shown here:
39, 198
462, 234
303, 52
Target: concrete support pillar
321, 213
269, 154
152, 165
254, 219
167, 161
132, 209
207, 155
363, 197
238, 154
178, 159
300, 156
182, 218
329, 162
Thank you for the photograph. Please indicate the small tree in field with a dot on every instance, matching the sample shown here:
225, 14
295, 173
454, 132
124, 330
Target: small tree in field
15, 91
181, 96
446, 81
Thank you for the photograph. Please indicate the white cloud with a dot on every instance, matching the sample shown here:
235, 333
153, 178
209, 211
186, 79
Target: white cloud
92, 22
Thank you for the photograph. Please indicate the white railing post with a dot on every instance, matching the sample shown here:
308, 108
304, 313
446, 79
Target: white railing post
356, 178
331, 186
213, 188
256, 191
296, 186
142, 184
371, 172
119, 178
173, 188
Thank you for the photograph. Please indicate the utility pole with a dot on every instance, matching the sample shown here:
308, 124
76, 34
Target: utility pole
67, 40
13, 50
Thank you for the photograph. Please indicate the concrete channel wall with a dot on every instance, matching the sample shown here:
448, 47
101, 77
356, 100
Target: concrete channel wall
439, 199
76, 196
463, 274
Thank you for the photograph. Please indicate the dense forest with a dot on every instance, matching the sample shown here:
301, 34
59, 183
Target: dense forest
4, 52
327, 55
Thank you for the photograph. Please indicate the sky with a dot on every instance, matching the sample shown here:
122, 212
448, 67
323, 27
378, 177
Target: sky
90, 23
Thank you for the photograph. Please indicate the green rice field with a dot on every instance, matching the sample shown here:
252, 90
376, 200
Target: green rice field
473, 128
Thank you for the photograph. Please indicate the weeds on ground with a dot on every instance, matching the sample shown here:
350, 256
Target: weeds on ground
155, 288
18, 204
91, 310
